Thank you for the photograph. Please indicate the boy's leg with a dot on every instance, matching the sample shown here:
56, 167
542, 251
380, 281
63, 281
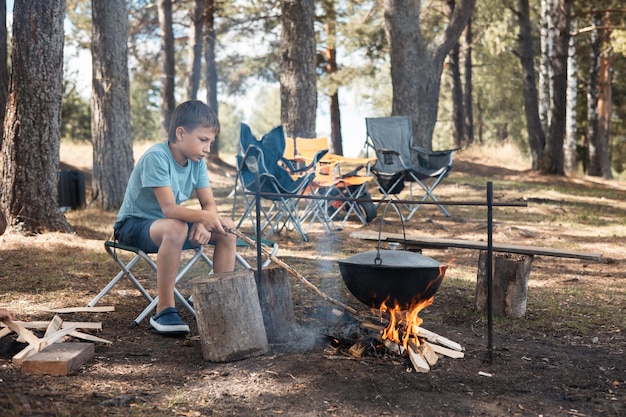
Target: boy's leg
225, 249
169, 235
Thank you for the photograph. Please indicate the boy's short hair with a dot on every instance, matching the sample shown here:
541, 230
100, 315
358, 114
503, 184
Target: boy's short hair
190, 115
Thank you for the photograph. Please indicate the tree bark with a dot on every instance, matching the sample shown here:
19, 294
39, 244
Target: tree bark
571, 131
536, 137
211, 67
194, 60
298, 90
168, 63
336, 145
110, 104
4, 71
458, 113
548, 36
605, 108
468, 105
416, 65
552, 162
30, 149
593, 94
228, 312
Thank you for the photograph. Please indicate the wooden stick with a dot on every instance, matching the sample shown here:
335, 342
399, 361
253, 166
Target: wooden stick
55, 325
295, 273
87, 336
46, 341
98, 309
24, 333
40, 325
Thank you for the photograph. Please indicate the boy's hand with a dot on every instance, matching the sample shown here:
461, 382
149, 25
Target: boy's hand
199, 235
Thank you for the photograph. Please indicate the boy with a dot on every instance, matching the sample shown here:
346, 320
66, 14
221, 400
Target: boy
153, 219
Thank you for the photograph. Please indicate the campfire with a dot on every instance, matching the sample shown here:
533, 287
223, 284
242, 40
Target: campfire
402, 336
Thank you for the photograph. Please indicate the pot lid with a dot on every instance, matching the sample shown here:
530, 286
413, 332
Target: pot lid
391, 258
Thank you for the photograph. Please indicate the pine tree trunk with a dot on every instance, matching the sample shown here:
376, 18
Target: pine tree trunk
4, 73
30, 149
168, 63
548, 36
458, 117
468, 105
593, 94
211, 68
571, 131
336, 145
605, 107
416, 66
298, 90
110, 104
536, 138
552, 162
194, 60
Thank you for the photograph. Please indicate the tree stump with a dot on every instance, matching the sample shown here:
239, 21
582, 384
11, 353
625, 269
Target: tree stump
229, 316
510, 283
277, 305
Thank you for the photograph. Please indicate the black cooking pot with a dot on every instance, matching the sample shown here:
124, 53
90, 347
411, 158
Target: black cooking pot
391, 276
399, 277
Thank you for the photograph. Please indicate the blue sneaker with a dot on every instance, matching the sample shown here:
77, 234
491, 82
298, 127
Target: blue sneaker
168, 322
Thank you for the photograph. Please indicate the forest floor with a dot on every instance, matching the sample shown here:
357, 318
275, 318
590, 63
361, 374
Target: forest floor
566, 357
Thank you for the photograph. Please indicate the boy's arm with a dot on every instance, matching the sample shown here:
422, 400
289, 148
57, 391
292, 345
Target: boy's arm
207, 216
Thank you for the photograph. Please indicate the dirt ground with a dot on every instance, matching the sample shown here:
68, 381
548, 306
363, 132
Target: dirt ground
565, 358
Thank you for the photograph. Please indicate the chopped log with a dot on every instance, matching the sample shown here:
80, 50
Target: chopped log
435, 338
418, 361
228, 313
428, 353
510, 284
59, 359
451, 353
277, 305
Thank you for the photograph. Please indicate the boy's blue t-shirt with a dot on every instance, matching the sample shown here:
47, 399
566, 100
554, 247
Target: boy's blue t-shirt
157, 168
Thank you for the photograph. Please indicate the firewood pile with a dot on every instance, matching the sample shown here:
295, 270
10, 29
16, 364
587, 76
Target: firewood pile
53, 353
420, 351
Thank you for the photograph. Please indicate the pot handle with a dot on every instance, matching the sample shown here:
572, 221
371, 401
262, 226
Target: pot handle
378, 260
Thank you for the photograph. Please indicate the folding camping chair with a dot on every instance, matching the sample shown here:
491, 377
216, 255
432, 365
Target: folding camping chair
258, 170
399, 161
115, 250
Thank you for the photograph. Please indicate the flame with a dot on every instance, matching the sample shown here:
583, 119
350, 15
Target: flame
404, 324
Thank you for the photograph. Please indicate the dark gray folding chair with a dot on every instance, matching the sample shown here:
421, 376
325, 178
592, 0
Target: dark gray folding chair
398, 161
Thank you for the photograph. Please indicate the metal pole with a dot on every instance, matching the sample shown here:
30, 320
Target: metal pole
489, 265
253, 165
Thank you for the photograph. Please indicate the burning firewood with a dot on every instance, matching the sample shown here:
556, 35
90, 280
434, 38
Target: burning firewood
417, 359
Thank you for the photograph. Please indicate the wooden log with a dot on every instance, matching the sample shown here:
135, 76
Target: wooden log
418, 361
59, 359
228, 313
510, 284
451, 353
277, 305
428, 353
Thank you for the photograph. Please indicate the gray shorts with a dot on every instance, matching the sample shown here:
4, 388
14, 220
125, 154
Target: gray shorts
135, 231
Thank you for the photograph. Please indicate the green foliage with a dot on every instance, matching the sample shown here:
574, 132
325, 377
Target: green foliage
75, 114
230, 117
144, 110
